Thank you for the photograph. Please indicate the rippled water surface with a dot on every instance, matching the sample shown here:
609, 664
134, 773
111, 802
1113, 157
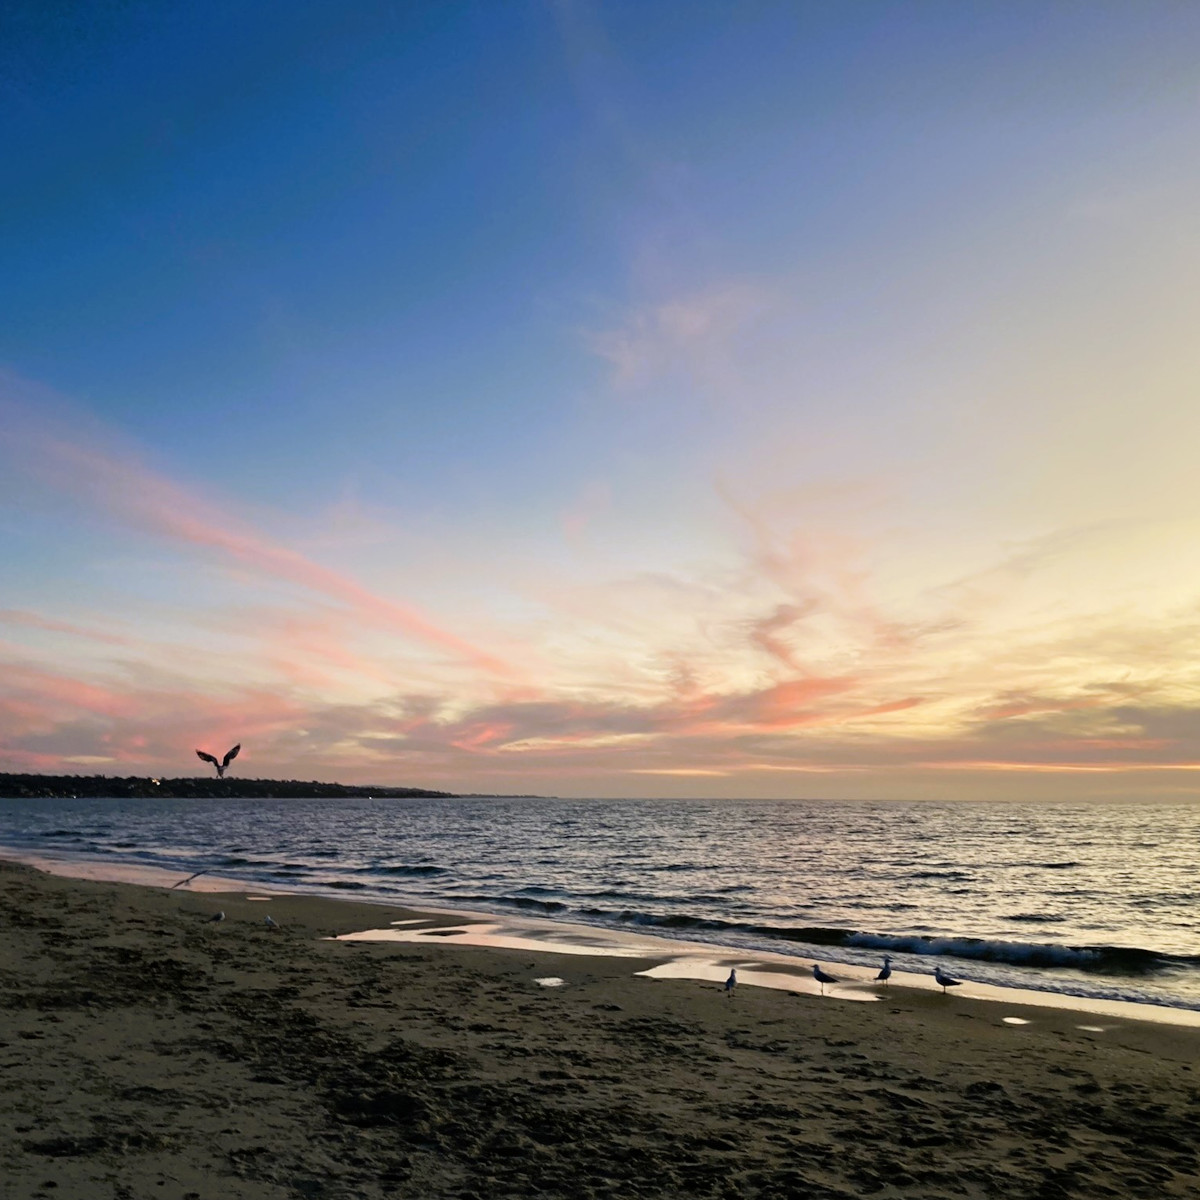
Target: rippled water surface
1091, 899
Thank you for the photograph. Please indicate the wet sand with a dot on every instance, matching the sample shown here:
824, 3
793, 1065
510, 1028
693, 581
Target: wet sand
146, 1052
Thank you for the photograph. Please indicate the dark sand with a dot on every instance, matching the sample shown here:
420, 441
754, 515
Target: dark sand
145, 1053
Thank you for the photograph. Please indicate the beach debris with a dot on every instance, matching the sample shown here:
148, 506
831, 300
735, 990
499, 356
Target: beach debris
550, 981
886, 972
947, 981
216, 917
230, 755
823, 977
731, 982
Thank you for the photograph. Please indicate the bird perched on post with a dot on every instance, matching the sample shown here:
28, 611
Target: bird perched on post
823, 977
229, 757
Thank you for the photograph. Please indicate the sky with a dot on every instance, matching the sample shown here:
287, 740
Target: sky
604, 398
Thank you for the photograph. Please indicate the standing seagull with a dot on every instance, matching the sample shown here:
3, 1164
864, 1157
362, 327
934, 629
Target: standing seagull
823, 977
270, 922
224, 762
731, 982
947, 981
216, 917
886, 973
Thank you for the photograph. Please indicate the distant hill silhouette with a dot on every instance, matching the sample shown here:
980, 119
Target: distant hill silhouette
47, 786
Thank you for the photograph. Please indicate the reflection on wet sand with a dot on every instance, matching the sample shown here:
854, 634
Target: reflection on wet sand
501, 936
691, 966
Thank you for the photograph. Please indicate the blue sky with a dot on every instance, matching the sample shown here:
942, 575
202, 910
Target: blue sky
740, 377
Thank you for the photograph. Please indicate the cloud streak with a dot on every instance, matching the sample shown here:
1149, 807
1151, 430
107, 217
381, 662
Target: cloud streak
123, 487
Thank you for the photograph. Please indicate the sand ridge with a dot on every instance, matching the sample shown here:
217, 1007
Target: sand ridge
148, 1052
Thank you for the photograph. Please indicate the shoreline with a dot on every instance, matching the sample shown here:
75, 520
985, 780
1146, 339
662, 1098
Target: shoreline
149, 1050
684, 959
1019, 916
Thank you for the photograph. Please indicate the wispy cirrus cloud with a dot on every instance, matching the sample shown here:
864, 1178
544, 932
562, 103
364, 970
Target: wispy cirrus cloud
33, 620
692, 333
118, 484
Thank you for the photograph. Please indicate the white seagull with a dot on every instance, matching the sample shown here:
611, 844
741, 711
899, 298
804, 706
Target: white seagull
271, 922
823, 977
216, 917
731, 982
886, 973
947, 981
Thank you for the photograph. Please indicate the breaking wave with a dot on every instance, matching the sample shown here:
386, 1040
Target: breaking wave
1101, 959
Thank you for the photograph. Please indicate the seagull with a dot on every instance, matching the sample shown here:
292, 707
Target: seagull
271, 922
886, 973
189, 878
731, 982
822, 977
947, 981
229, 757
216, 917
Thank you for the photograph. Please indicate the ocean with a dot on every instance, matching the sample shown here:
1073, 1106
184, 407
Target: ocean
1096, 900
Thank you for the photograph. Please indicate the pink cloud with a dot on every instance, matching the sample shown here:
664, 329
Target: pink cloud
74, 694
127, 489
766, 633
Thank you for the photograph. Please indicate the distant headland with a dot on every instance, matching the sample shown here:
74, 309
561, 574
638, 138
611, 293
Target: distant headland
70, 786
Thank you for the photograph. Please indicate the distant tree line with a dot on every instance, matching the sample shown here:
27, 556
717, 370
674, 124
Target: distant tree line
68, 786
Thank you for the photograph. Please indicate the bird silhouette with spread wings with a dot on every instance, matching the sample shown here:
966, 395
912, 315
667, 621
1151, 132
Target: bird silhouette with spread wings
224, 762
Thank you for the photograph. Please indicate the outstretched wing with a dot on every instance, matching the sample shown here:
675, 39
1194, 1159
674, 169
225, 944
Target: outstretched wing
207, 757
231, 755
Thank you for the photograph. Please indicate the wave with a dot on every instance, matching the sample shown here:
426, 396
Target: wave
1106, 960
418, 869
529, 902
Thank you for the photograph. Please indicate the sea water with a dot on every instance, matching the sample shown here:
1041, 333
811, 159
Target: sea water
1096, 900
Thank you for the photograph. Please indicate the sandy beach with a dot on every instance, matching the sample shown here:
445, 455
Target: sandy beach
149, 1052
